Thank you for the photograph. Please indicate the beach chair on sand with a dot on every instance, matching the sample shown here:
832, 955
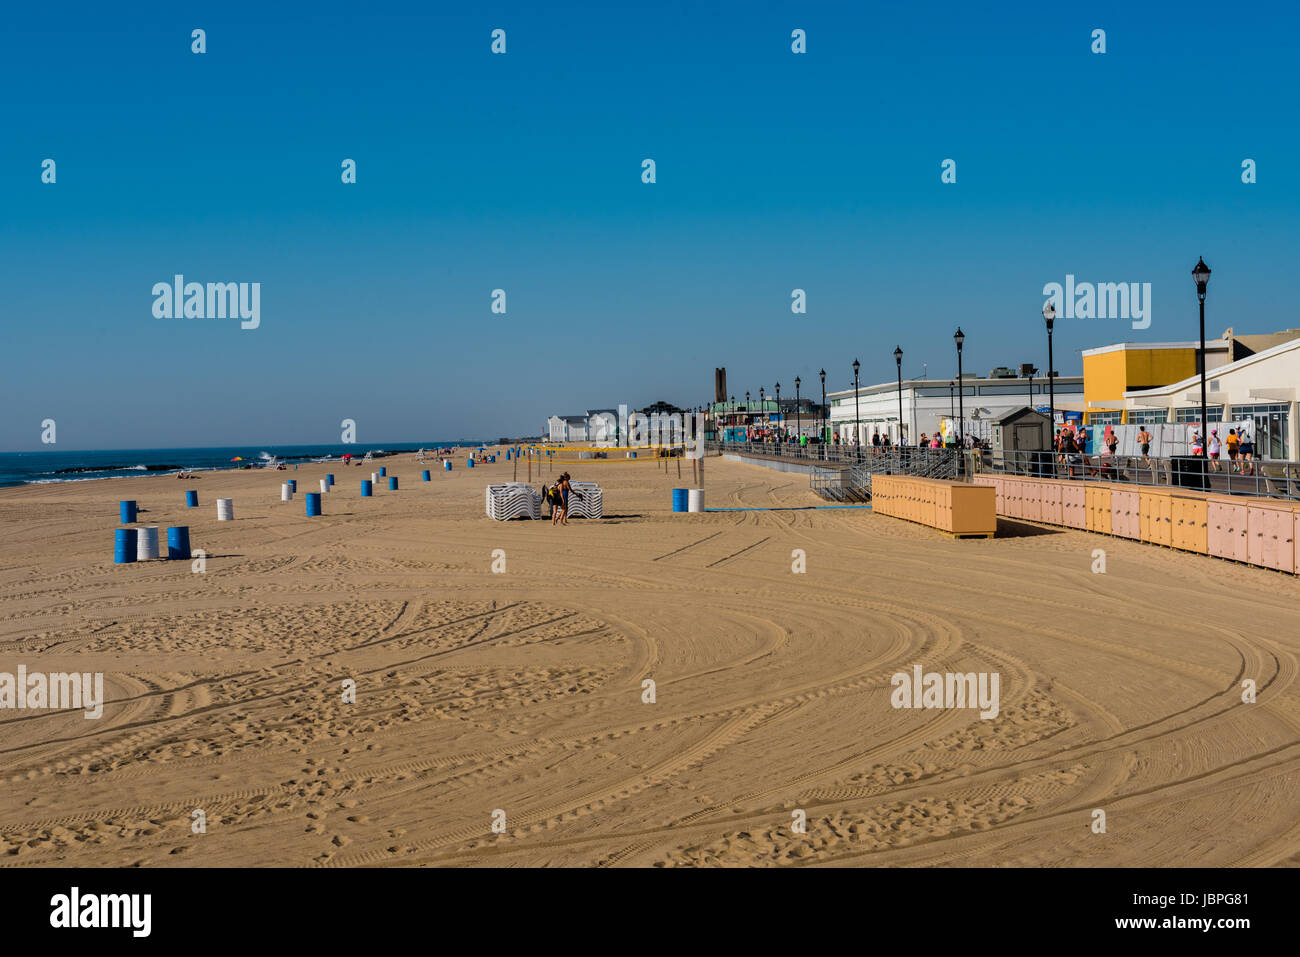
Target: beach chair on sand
589, 502
513, 500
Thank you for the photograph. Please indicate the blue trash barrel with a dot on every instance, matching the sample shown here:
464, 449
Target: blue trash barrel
680, 500
367, 488
178, 541
633, 455
127, 508
313, 503
446, 465
425, 475
392, 483
469, 463
382, 471
329, 478
507, 455
293, 484
191, 499
125, 546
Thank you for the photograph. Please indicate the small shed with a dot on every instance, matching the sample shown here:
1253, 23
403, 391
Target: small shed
1023, 430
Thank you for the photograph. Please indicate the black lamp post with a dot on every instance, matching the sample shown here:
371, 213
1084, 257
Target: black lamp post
952, 401
779, 417
762, 401
1202, 276
958, 337
798, 414
856, 366
1049, 317
824, 409
1032, 372
898, 361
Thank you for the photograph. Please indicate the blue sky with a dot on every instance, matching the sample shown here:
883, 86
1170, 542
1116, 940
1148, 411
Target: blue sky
775, 171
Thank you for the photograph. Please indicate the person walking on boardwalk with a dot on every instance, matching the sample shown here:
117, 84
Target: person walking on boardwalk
1233, 442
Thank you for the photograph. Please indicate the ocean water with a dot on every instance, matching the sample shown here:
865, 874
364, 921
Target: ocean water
22, 468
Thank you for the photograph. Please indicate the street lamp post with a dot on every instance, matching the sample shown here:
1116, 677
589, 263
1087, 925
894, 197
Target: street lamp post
958, 337
1202, 276
762, 401
779, 417
825, 411
952, 400
1049, 317
1032, 372
898, 361
798, 414
856, 366
749, 418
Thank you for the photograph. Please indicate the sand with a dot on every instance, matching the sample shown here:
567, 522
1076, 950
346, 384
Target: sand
522, 692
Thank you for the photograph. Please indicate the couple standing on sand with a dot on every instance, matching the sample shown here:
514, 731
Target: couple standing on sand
558, 497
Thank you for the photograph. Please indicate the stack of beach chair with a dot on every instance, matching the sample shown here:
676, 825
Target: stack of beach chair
592, 503
513, 500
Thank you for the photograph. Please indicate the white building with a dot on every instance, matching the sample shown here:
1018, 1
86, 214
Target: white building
597, 425
929, 404
1259, 389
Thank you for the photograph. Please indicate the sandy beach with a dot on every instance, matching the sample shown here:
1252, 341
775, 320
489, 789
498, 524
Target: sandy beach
522, 692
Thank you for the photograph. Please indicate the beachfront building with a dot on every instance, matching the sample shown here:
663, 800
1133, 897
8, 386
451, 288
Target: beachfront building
930, 405
756, 420
596, 425
1109, 372
1258, 391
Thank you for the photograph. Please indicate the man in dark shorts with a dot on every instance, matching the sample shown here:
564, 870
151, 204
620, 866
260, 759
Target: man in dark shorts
1144, 442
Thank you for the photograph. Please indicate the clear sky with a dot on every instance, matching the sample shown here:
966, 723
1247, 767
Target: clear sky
522, 171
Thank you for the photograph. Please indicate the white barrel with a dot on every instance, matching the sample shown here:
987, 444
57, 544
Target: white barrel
146, 543
225, 509
286, 493
324, 485
374, 479
695, 500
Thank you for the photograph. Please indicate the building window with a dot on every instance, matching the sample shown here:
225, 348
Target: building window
1148, 416
1212, 412
1271, 423
1105, 418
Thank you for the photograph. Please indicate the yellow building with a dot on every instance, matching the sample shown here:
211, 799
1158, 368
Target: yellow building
1110, 371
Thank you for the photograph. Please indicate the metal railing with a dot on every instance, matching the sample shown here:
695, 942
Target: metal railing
1265, 478
902, 457
843, 473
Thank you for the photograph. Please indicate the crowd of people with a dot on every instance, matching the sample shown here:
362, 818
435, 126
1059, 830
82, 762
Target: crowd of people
1072, 445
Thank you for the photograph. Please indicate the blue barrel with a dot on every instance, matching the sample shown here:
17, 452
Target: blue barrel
492, 458
392, 483
178, 541
329, 478
446, 465
469, 463
633, 455
680, 500
293, 484
313, 503
191, 499
127, 508
507, 455
367, 488
425, 475
124, 547
382, 471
